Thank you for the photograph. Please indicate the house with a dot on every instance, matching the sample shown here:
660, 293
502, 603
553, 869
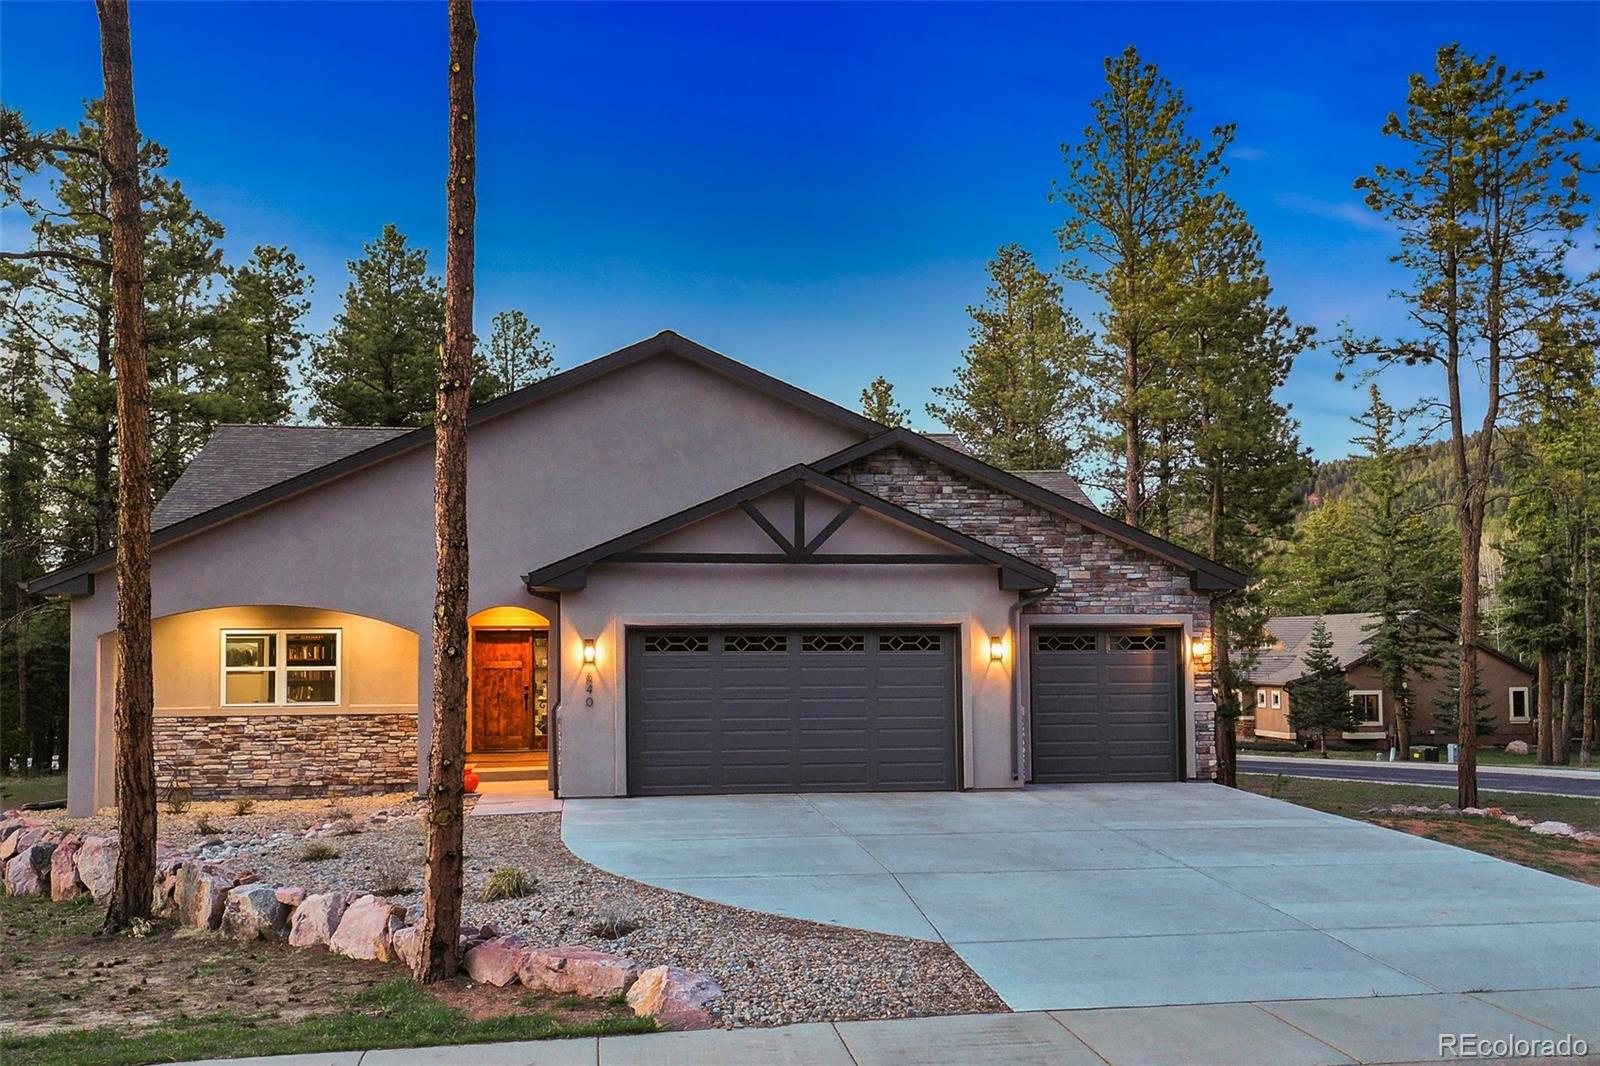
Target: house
1507, 683
686, 577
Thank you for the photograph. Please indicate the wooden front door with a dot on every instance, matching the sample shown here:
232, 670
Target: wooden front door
502, 690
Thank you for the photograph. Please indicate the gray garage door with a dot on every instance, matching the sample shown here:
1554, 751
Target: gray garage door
804, 710
1104, 705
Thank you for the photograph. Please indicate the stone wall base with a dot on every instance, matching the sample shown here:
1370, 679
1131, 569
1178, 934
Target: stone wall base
286, 756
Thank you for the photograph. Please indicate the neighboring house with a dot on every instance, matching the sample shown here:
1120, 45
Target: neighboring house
1507, 683
686, 577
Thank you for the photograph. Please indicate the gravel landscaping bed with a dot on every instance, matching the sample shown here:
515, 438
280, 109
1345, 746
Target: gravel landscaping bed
774, 970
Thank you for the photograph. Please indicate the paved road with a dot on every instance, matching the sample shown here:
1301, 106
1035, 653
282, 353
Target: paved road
1490, 779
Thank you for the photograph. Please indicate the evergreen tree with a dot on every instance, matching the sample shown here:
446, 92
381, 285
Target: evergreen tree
1016, 401
1487, 207
378, 365
261, 336
1408, 577
1131, 179
878, 403
517, 355
1320, 699
1320, 571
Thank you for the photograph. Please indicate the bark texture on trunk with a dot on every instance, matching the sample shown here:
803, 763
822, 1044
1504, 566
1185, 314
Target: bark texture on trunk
135, 753
441, 924
1590, 639
1545, 703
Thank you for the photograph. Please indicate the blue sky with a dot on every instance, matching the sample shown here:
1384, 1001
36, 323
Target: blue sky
811, 189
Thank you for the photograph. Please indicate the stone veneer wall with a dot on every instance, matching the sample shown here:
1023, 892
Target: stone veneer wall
282, 756
1098, 575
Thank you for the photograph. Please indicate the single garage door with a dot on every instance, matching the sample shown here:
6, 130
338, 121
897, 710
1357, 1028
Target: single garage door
1105, 705
802, 710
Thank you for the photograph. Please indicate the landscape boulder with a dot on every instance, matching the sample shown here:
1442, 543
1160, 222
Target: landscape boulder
25, 837
201, 894
1553, 829
674, 997
578, 971
290, 895
97, 866
366, 931
28, 871
316, 920
64, 883
1517, 747
253, 912
407, 945
496, 961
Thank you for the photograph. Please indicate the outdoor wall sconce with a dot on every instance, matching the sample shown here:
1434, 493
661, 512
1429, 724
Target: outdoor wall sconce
588, 653
1200, 647
997, 649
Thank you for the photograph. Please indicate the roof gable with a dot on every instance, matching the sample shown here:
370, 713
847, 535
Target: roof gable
1205, 575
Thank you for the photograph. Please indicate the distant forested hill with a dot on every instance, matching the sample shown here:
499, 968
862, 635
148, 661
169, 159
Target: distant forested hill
1431, 462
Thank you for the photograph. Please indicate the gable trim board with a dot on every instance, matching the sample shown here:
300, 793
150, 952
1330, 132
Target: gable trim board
62, 580
571, 574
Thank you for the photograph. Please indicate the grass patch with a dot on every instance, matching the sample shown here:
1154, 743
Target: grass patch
1486, 757
316, 851
507, 883
1352, 799
395, 1014
35, 788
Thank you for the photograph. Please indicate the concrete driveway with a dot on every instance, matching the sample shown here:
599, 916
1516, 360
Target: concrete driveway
1120, 895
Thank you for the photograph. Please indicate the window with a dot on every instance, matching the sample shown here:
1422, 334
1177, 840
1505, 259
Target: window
1067, 642
1261, 697
1369, 707
1145, 642
1277, 698
280, 667
1519, 704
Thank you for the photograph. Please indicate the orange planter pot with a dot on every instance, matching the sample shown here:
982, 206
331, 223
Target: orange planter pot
471, 780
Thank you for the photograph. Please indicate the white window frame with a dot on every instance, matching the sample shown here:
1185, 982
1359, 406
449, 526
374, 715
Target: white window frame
1261, 697
1378, 721
1511, 704
1277, 698
281, 666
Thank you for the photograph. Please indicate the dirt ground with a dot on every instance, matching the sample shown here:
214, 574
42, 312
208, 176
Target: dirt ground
57, 976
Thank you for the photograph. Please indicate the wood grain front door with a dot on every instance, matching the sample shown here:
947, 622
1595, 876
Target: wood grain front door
502, 690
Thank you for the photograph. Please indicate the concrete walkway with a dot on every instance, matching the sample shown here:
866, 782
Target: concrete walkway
1278, 1033
1112, 896
1543, 780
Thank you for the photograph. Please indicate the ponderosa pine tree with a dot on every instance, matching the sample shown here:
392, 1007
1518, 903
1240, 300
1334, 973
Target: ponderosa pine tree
1016, 402
1131, 179
1320, 699
131, 893
1243, 457
260, 336
438, 956
378, 365
1408, 576
878, 403
1486, 207
516, 356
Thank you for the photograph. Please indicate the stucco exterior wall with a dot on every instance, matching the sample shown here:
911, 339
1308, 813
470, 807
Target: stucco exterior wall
1099, 576
592, 738
545, 481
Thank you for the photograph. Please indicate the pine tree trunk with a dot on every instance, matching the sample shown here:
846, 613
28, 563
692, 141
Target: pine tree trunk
1467, 668
1133, 481
1227, 715
441, 923
1591, 691
135, 755
22, 684
1402, 716
1546, 679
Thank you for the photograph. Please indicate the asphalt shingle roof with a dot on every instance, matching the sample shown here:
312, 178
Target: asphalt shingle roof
1057, 481
239, 460
1285, 661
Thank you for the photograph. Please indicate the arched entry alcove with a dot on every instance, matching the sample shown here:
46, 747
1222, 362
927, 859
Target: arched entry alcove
509, 688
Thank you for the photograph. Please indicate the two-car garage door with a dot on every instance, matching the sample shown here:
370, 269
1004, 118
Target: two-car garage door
791, 710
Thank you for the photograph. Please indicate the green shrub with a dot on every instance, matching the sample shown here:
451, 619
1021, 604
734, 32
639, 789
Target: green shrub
507, 883
317, 851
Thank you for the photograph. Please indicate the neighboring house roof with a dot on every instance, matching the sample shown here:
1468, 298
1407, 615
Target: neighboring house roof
1284, 661
1059, 482
232, 493
1207, 576
572, 572
239, 460
949, 440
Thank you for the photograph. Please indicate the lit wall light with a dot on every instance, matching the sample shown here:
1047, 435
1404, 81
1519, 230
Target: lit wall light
588, 653
997, 649
1200, 647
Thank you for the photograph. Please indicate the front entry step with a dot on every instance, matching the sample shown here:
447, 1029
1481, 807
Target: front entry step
512, 773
